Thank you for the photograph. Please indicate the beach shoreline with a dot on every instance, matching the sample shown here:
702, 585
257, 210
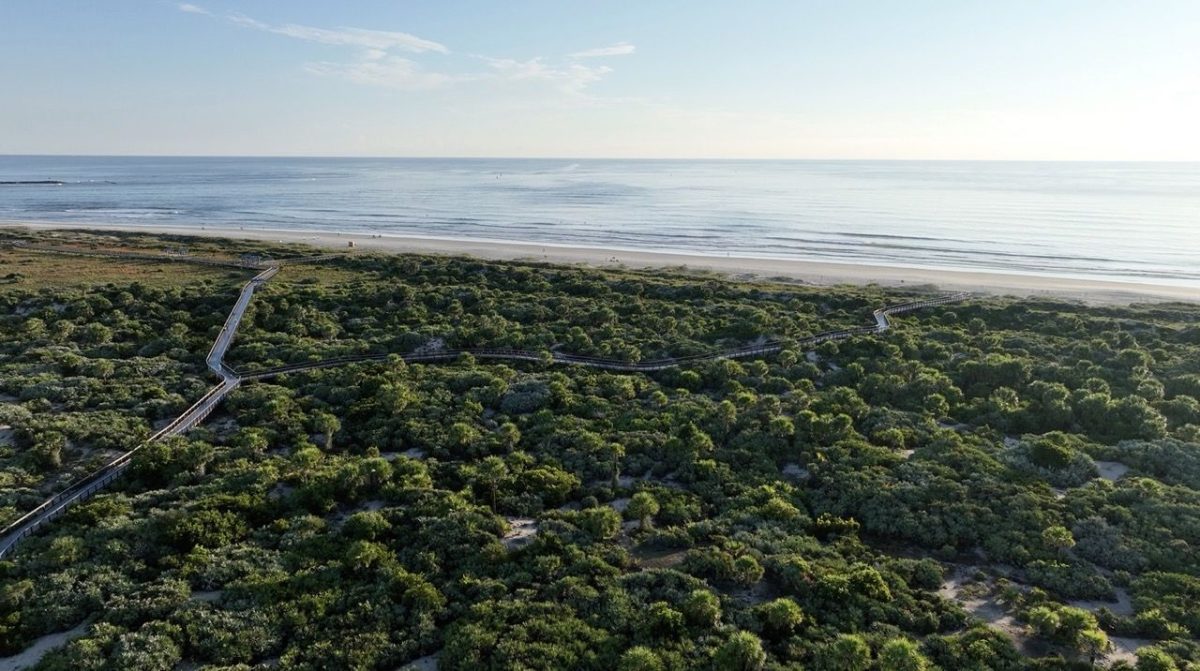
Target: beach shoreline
820, 273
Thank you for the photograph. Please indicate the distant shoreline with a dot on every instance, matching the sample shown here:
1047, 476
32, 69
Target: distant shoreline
813, 272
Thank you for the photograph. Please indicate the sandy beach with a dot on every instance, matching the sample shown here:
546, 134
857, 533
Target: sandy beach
813, 272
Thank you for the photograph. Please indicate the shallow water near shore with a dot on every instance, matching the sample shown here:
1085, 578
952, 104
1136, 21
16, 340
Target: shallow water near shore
1135, 222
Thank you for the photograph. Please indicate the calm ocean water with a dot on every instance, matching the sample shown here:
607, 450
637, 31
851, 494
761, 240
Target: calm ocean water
1127, 221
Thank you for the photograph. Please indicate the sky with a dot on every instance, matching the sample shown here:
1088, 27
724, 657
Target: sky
845, 79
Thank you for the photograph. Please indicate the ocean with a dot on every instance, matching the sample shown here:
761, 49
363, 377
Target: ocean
1122, 221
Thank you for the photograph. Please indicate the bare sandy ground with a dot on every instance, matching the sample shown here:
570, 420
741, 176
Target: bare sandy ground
30, 656
521, 531
426, 663
814, 272
1111, 470
975, 597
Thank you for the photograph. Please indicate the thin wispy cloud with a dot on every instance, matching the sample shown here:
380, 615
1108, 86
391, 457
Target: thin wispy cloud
193, 9
385, 71
570, 78
618, 49
352, 37
377, 64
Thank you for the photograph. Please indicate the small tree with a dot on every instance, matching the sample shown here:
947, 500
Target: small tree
509, 435
327, 424
601, 522
1058, 539
742, 652
640, 658
781, 616
1092, 643
747, 570
365, 525
376, 471
664, 620
1044, 621
615, 453
492, 471
48, 448
848, 653
643, 507
1151, 658
702, 608
252, 440
901, 654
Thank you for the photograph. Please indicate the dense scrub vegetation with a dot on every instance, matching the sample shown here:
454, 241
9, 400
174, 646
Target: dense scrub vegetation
873, 504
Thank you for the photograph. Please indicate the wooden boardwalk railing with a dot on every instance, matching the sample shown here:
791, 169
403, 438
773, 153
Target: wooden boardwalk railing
216, 355
83, 488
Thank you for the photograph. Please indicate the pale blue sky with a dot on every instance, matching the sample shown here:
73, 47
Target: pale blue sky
921, 79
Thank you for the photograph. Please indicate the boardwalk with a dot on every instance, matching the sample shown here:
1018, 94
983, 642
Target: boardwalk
88, 485
85, 487
216, 355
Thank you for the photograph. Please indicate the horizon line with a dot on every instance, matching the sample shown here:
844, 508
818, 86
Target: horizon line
598, 158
